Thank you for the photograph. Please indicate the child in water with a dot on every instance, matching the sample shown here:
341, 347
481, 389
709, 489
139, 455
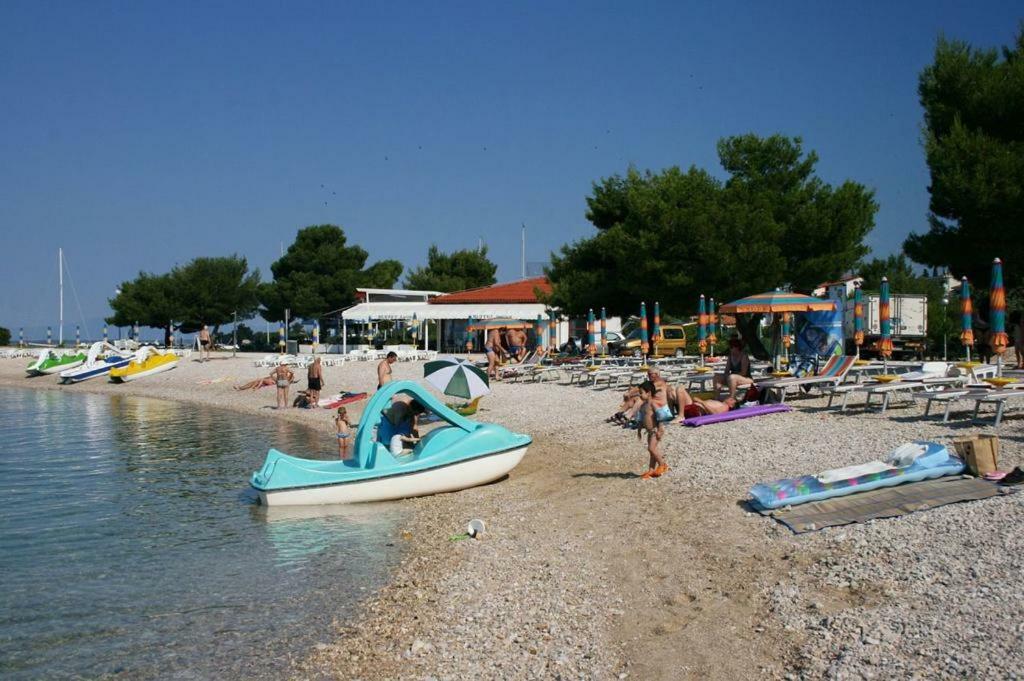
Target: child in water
344, 430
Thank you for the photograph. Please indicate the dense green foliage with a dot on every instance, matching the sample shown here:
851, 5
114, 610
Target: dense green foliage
5, 336
205, 291
454, 271
320, 273
673, 235
974, 141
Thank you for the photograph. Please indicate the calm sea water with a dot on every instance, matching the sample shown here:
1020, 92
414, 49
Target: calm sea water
131, 545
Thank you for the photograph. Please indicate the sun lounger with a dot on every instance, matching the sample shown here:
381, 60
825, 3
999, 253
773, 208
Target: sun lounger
736, 414
899, 388
832, 374
531, 360
999, 398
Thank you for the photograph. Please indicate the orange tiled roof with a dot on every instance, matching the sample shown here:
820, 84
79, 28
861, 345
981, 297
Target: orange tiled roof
514, 292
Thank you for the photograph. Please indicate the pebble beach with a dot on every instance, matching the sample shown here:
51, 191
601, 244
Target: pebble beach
587, 571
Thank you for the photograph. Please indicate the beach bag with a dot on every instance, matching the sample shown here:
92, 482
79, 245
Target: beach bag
980, 452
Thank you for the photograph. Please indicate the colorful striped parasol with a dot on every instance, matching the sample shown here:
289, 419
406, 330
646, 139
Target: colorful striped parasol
777, 301
997, 309
885, 342
644, 346
135, 330
858, 318
316, 334
604, 332
78, 336
712, 326
469, 334
538, 331
49, 336
966, 312
591, 347
280, 336
702, 326
656, 334
787, 339
552, 331
104, 333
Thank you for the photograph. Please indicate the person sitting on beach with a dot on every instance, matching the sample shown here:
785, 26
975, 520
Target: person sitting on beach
629, 408
258, 383
737, 370
655, 428
283, 377
667, 389
315, 381
691, 407
343, 431
384, 369
399, 425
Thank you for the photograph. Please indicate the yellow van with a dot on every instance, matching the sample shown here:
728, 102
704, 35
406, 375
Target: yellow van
672, 343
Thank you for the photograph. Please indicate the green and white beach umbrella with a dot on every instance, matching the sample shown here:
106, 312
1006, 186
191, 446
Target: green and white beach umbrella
457, 377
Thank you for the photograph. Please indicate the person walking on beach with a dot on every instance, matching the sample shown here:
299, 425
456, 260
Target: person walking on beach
315, 382
344, 430
652, 423
204, 343
384, 369
283, 376
494, 350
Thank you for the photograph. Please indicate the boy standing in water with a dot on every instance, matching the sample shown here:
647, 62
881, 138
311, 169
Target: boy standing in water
653, 422
344, 429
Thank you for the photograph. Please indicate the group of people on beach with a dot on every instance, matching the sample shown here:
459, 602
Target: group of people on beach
655, 402
506, 345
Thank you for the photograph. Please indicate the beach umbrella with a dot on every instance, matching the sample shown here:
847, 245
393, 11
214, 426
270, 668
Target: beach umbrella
498, 323
415, 326
469, 334
457, 377
966, 312
997, 314
49, 336
135, 331
644, 347
316, 334
538, 331
591, 339
21, 336
712, 326
858, 318
787, 320
78, 336
656, 332
552, 331
604, 332
280, 336
885, 342
702, 326
104, 333
777, 301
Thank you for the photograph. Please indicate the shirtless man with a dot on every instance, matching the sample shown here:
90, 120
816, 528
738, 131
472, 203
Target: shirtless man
493, 348
516, 343
694, 406
315, 379
204, 343
283, 377
384, 369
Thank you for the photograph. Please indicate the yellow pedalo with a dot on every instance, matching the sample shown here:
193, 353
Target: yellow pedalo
148, 361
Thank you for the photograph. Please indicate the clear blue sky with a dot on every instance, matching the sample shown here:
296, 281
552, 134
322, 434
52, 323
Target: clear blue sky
138, 135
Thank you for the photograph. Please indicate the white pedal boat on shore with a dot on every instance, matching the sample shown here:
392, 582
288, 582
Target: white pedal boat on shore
458, 455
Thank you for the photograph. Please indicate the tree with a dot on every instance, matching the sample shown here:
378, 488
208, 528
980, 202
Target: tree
454, 271
974, 144
151, 300
5, 336
215, 291
320, 273
673, 235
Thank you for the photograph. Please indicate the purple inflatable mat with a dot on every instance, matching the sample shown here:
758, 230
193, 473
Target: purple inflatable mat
741, 413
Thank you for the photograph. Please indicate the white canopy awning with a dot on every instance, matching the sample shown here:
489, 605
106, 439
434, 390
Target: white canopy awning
366, 312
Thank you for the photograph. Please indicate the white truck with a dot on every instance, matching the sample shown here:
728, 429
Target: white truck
908, 314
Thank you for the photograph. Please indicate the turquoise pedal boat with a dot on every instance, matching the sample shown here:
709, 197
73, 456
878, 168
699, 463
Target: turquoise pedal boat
456, 455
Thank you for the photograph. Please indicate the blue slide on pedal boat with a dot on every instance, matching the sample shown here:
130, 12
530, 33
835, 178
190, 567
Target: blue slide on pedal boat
101, 359
456, 455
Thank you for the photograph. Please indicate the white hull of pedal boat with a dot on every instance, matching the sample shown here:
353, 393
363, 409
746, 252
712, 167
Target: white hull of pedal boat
446, 478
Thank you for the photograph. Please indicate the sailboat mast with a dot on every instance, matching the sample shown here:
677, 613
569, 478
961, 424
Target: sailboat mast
60, 269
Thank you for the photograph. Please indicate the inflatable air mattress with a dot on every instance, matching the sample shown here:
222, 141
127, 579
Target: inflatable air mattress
934, 462
735, 414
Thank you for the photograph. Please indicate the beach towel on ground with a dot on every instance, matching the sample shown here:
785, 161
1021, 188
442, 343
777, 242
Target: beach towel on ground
336, 401
888, 502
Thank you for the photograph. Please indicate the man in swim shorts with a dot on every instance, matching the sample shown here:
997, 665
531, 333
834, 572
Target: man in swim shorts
384, 369
204, 343
283, 377
494, 350
315, 380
